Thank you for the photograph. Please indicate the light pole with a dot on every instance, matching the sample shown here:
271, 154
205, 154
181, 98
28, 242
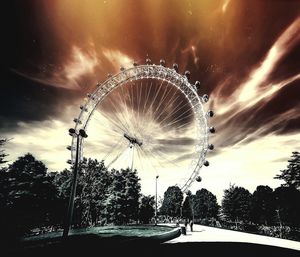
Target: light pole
68, 221
280, 224
156, 199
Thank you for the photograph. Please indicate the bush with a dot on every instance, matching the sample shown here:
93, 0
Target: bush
253, 228
275, 231
285, 232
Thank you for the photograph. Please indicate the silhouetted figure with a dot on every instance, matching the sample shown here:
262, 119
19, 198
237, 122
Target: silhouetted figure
185, 224
191, 225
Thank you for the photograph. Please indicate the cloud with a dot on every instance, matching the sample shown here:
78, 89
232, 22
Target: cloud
248, 65
24, 100
118, 59
249, 165
46, 140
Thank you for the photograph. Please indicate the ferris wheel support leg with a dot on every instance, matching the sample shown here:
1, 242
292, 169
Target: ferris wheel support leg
72, 195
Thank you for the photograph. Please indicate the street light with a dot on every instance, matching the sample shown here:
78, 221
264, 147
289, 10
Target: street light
68, 221
156, 200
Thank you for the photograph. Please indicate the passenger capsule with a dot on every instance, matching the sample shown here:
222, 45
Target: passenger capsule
198, 179
175, 67
212, 130
77, 121
187, 74
148, 61
162, 62
205, 98
206, 163
83, 108
210, 113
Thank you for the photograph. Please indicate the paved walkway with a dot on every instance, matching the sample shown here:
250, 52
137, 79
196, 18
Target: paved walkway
211, 234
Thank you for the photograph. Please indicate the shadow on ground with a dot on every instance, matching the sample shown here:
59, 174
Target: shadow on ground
94, 246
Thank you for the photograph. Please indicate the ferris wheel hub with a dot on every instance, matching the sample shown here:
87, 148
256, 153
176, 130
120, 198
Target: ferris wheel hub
133, 141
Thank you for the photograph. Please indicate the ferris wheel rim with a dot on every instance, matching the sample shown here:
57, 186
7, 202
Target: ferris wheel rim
160, 73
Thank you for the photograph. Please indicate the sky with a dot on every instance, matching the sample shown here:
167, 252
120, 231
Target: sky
246, 55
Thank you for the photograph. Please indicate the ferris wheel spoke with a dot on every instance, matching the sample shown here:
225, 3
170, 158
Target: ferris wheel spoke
169, 114
155, 157
146, 158
133, 116
112, 149
162, 101
179, 107
175, 121
112, 130
147, 93
163, 155
140, 159
139, 93
169, 103
154, 99
123, 104
181, 126
108, 120
146, 101
126, 107
111, 120
117, 157
116, 116
178, 118
139, 96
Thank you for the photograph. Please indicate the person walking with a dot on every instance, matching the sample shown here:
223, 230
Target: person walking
186, 223
191, 225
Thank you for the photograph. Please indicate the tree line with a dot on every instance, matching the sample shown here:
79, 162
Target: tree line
264, 206
31, 197
240, 208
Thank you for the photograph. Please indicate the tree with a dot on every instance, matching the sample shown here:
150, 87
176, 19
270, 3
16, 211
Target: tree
172, 201
146, 209
93, 186
132, 193
262, 205
236, 203
62, 182
101, 196
187, 211
205, 204
122, 200
30, 195
291, 175
2, 153
287, 205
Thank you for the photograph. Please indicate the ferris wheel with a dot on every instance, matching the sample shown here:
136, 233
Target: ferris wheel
149, 118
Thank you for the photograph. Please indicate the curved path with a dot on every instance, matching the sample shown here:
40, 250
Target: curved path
210, 234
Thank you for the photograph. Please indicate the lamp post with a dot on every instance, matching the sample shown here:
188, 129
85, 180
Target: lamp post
68, 221
156, 199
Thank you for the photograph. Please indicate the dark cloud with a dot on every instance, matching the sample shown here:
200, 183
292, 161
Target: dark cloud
26, 101
177, 141
216, 47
